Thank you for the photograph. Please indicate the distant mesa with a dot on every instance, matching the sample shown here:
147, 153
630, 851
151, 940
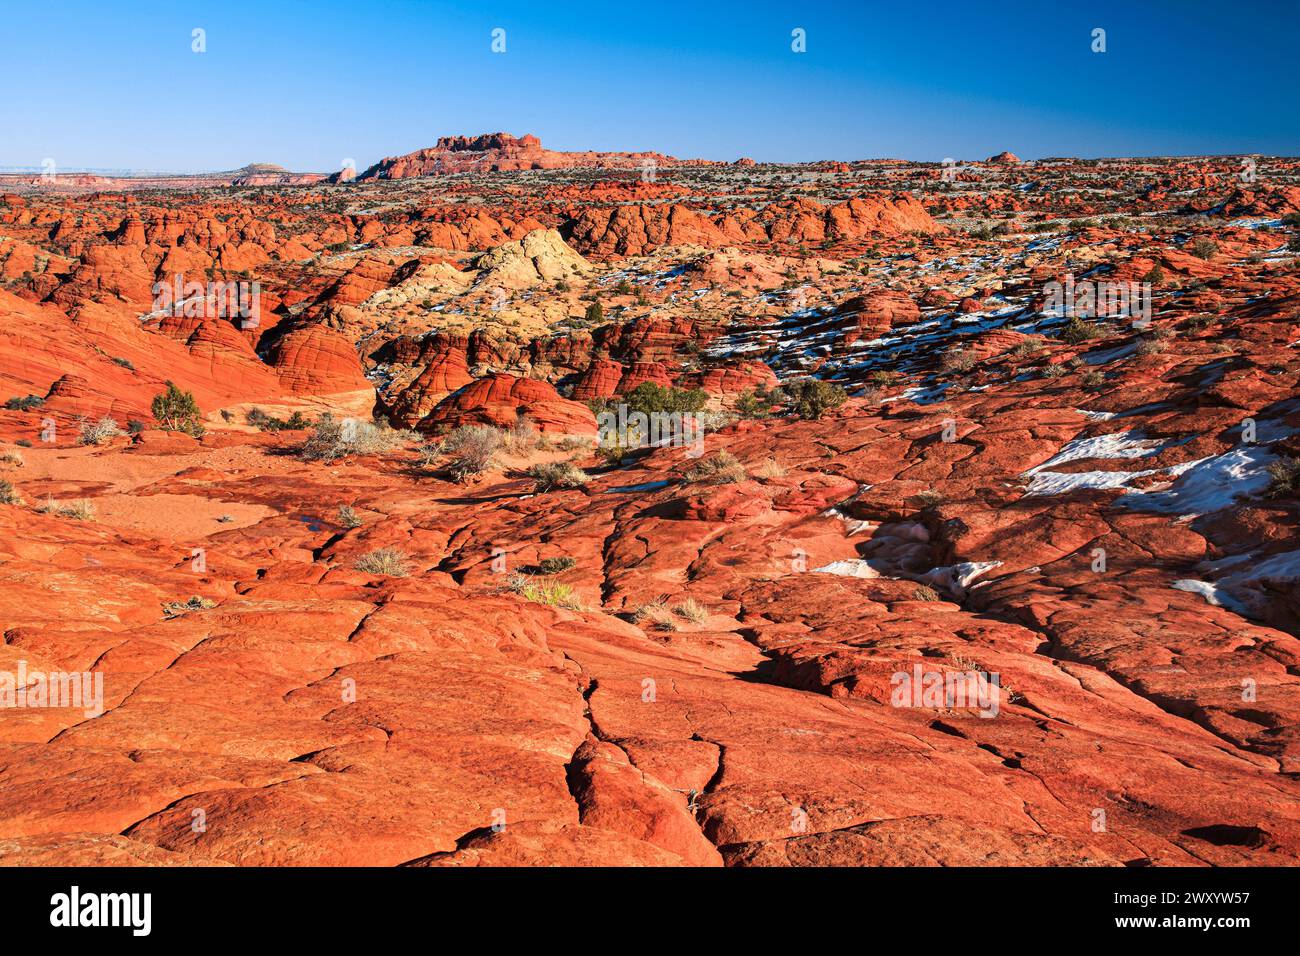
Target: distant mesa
254, 174
501, 152
1004, 158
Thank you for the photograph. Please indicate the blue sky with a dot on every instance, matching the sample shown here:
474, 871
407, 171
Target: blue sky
114, 84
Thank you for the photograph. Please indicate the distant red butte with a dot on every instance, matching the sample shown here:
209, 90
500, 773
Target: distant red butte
501, 152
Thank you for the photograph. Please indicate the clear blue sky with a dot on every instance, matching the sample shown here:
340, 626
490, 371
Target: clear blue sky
114, 84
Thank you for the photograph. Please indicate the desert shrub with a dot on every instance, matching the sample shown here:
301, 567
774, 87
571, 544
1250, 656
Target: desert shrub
769, 468
26, 403
573, 443
720, 468
268, 423
1284, 478
134, 426
334, 438
1204, 248
1150, 346
1079, 330
522, 438
348, 518
881, 378
388, 561
612, 453
754, 404
1155, 275
1027, 348
595, 313
929, 499
12, 458
125, 363
557, 474
177, 411
924, 592
1058, 370
557, 565
542, 591
80, 509
649, 397
656, 615
96, 433
9, 494
691, 610
1094, 379
472, 448
196, 603
959, 360
811, 398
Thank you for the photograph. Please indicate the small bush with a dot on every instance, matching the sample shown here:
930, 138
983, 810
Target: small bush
521, 438
1079, 330
348, 518
557, 565
473, 448
332, 439
81, 509
196, 603
720, 468
541, 591
1027, 348
12, 458
770, 468
557, 474
125, 363
1059, 370
268, 423
1155, 275
650, 398
24, 403
1204, 248
135, 427
691, 610
654, 615
9, 494
388, 561
1149, 347
959, 360
177, 411
1284, 478
924, 592
1094, 379
929, 499
595, 314
754, 404
812, 398
96, 433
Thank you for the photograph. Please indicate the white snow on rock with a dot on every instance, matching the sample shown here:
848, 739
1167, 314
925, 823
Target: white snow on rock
1207, 484
957, 578
1060, 483
1244, 591
1116, 445
849, 568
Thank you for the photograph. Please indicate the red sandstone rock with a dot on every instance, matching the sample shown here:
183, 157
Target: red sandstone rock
501, 400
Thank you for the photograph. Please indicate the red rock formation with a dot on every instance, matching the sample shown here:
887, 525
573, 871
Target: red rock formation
600, 380
500, 399
316, 360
